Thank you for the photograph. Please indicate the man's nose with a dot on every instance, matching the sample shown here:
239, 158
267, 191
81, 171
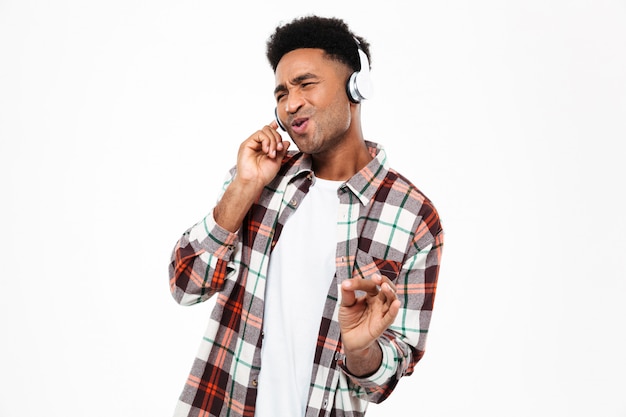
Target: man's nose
294, 101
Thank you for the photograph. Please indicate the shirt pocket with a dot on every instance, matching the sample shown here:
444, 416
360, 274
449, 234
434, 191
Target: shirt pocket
367, 265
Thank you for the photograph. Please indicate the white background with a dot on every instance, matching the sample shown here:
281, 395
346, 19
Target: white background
119, 119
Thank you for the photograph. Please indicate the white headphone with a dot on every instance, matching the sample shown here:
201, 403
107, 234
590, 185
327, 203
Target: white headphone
359, 85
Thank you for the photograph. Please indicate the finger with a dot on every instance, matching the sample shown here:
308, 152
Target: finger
388, 294
266, 142
380, 280
388, 291
392, 312
348, 296
285, 147
274, 140
369, 286
280, 145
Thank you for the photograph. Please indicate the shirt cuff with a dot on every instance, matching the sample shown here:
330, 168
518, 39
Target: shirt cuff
386, 371
213, 238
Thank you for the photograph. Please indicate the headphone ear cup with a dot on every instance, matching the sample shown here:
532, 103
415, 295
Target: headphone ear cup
351, 88
364, 84
359, 85
280, 124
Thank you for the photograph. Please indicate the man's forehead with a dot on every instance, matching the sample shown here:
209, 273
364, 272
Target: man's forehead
301, 55
304, 60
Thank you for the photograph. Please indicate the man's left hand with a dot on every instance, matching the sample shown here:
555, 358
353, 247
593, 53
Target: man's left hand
363, 319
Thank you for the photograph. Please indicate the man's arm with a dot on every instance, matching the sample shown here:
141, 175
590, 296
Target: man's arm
200, 261
402, 342
258, 162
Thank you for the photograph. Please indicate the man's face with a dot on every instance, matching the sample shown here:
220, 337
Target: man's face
311, 99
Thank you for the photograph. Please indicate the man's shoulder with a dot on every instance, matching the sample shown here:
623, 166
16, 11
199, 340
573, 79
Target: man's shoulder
402, 185
401, 191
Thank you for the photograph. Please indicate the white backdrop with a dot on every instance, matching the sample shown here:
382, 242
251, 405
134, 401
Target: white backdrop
119, 119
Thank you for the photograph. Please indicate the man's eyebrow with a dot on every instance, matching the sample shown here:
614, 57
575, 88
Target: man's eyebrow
295, 81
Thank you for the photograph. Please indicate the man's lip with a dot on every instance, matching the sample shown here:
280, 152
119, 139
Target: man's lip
299, 125
299, 121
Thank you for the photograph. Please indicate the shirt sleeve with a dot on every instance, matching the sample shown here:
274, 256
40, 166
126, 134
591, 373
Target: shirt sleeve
202, 260
403, 344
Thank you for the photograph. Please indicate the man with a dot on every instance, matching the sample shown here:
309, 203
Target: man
324, 261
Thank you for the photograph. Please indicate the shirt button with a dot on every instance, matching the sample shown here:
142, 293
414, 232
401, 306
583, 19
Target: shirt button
254, 383
294, 202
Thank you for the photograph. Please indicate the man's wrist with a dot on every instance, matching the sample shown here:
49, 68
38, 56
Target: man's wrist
235, 203
364, 362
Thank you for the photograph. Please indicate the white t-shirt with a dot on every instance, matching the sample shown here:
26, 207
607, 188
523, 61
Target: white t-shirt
301, 270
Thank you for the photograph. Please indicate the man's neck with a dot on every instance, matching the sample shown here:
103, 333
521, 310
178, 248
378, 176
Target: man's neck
341, 164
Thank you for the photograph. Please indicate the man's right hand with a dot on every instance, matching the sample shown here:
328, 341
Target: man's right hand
258, 161
260, 156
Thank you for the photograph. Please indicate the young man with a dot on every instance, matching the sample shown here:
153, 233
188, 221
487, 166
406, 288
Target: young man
324, 261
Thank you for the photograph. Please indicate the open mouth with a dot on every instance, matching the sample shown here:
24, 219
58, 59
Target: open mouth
299, 122
299, 125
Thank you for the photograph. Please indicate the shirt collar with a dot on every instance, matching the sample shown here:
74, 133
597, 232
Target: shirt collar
363, 184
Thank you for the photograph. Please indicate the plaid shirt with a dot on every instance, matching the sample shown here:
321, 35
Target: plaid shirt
386, 226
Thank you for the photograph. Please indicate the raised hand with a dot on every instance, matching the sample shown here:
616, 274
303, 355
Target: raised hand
259, 157
258, 162
363, 319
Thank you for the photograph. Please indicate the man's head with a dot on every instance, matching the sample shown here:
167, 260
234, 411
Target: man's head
315, 61
329, 34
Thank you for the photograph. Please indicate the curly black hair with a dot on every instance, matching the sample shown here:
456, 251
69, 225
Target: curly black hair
330, 34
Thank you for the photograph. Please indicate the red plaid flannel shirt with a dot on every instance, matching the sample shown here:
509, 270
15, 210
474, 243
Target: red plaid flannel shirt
387, 226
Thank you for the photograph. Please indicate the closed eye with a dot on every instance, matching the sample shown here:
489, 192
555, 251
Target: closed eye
303, 81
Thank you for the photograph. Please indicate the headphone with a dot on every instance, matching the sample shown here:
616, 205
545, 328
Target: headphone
358, 87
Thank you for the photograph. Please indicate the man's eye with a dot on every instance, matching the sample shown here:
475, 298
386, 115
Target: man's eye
280, 97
